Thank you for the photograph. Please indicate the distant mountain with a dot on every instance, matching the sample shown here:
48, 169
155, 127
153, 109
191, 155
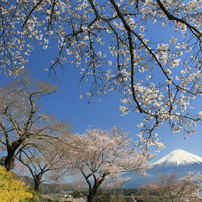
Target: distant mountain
178, 161
177, 158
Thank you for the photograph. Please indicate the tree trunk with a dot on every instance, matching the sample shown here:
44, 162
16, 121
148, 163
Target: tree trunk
37, 182
36, 186
92, 192
91, 197
10, 160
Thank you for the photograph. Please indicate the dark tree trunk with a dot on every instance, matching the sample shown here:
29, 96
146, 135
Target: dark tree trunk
93, 192
91, 196
10, 160
37, 182
36, 186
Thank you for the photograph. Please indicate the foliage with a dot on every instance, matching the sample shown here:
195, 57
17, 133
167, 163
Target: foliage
11, 189
107, 196
36, 196
148, 50
128, 192
77, 194
103, 196
119, 198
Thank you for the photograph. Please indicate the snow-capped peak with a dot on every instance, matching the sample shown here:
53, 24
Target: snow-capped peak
179, 157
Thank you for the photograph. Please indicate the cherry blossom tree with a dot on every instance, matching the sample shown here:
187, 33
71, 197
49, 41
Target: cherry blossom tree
170, 188
116, 47
100, 154
21, 119
40, 158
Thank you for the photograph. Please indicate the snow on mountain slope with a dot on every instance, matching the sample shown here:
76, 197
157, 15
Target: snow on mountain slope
177, 161
179, 157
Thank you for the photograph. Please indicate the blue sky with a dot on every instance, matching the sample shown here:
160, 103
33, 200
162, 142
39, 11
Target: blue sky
105, 114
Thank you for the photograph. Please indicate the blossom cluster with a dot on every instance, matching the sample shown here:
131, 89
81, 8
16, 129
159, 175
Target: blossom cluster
105, 153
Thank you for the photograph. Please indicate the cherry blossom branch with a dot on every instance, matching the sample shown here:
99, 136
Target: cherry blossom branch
51, 16
172, 17
30, 13
131, 52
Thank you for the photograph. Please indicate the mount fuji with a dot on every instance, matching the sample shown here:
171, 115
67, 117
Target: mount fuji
178, 161
178, 158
